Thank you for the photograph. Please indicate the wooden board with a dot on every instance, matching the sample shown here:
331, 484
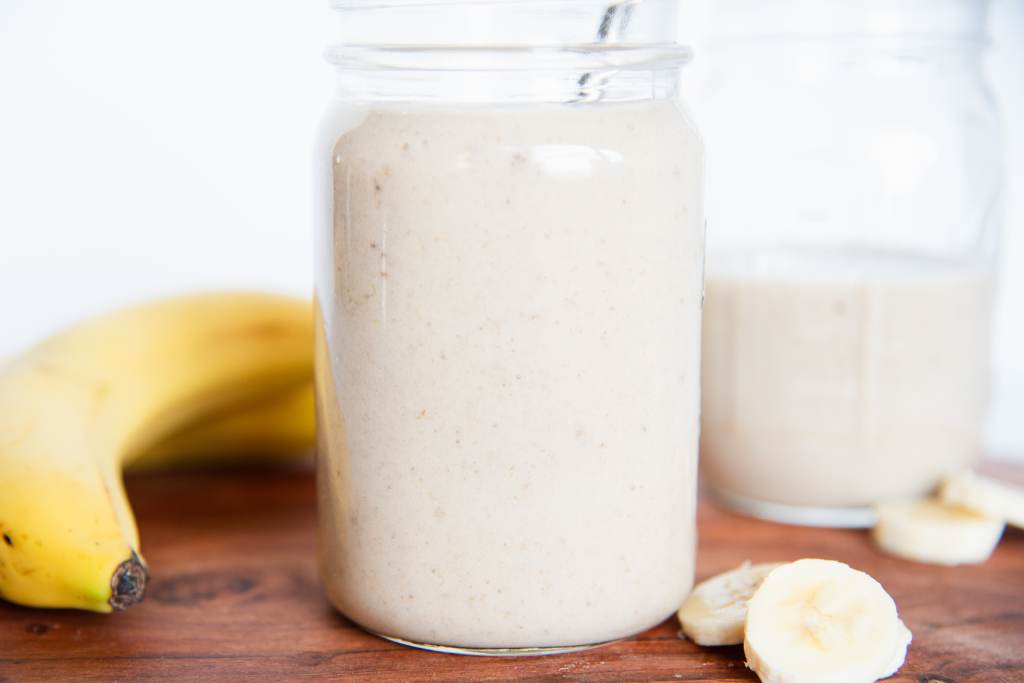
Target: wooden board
235, 596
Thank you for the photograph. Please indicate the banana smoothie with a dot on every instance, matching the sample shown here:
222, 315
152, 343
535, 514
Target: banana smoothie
508, 372
841, 379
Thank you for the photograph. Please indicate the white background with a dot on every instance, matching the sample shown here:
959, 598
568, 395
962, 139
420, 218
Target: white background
155, 147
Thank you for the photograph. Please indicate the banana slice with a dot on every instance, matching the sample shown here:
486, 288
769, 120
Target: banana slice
986, 496
819, 621
715, 612
927, 530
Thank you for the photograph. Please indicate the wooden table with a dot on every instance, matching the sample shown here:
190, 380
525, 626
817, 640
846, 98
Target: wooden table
235, 596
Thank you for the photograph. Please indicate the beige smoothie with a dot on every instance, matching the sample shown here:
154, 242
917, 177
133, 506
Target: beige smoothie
508, 372
840, 379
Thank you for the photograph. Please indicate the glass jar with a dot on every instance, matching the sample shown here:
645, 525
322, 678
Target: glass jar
853, 181
509, 280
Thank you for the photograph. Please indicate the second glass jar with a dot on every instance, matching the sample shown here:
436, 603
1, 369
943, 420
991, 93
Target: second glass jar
854, 176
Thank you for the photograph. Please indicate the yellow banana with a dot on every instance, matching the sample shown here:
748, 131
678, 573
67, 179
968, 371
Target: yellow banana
282, 426
77, 408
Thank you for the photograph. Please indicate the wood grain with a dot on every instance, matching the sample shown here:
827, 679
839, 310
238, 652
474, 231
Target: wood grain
235, 596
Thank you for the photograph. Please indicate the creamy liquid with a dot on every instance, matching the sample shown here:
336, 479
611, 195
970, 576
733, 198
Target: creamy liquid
841, 379
509, 373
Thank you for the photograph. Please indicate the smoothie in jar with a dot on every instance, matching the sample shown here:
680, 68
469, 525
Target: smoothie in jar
508, 372
840, 379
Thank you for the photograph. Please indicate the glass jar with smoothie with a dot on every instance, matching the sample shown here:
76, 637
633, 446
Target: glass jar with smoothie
509, 287
853, 182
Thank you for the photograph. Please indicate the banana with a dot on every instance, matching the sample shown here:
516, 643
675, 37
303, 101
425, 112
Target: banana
986, 496
276, 428
927, 530
77, 408
819, 621
715, 611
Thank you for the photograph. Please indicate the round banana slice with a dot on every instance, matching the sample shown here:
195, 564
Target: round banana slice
715, 611
984, 495
926, 530
819, 621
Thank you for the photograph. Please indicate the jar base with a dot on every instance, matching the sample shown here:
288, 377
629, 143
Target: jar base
856, 517
493, 651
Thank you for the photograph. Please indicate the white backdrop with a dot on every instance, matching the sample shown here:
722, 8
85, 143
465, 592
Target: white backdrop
155, 147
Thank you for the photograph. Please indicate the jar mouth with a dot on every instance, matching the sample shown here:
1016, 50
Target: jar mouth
503, 35
343, 5
469, 58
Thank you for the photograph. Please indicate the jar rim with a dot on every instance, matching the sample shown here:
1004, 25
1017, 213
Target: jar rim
343, 5
468, 58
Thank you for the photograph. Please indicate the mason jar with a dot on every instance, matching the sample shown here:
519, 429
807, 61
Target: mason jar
854, 172
509, 282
